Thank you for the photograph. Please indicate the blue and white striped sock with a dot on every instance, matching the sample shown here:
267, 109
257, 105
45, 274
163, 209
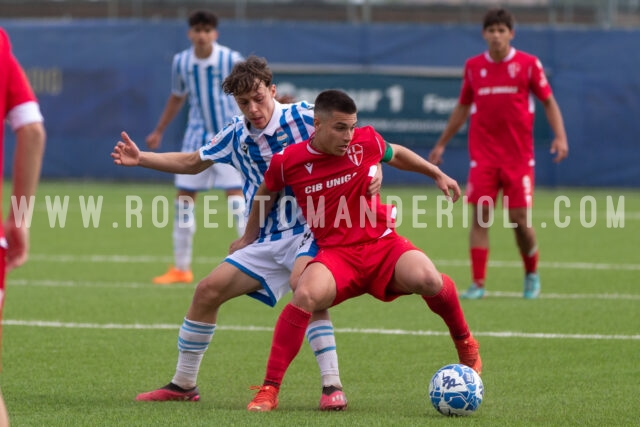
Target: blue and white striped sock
193, 340
323, 343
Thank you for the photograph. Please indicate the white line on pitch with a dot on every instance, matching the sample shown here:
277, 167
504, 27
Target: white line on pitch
125, 259
139, 259
89, 284
505, 334
134, 285
545, 264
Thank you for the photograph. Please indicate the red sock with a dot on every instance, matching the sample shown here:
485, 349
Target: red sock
287, 340
530, 262
447, 305
479, 257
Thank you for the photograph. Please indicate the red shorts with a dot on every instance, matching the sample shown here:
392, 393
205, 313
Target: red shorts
365, 269
516, 182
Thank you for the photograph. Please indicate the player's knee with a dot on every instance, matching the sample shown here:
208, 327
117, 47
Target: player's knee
430, 280
303, 298
207, 292
293, 282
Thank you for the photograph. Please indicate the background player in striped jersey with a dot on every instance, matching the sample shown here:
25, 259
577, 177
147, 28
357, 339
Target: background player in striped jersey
284, 244
18, 105
497, 91
360, 252
197, 73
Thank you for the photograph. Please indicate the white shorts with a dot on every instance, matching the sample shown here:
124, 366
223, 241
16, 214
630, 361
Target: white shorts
270, 263
220, 175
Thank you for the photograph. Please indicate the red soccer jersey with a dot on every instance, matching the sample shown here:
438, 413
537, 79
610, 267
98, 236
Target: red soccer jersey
331, 190
502, 106
14, 90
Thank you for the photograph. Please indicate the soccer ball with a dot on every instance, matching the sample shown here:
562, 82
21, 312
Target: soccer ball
456, 390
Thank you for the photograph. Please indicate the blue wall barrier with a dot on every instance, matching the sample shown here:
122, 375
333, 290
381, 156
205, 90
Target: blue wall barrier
96, 78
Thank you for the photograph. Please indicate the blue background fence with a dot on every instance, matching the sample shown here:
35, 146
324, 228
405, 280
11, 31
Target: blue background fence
96, 78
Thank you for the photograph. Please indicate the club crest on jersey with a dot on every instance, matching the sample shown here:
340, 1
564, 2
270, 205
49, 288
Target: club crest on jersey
282, 138
355, 153
513, 69
308, 167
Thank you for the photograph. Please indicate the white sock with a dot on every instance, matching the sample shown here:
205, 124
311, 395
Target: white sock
184, 227
323, 343
236, 207
193, 340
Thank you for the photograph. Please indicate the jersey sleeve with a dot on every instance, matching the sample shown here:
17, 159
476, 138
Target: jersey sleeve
236, 57
20, 99
382, 145
221, 148
466, 92
538, 81
274, 176
178, 84
24, 114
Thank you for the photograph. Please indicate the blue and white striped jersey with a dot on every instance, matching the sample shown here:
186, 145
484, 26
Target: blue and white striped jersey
251, 154
210, 109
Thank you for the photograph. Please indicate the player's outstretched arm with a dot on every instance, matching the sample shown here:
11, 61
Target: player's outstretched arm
262, 204
407, 160
127, 153
448, 186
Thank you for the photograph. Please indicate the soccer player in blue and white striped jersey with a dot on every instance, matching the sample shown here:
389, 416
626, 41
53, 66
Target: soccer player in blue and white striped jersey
197, 75
263, 268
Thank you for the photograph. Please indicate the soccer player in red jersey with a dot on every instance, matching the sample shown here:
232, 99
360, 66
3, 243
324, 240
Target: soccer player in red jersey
267, 268
18, 105
360, 252
497, 92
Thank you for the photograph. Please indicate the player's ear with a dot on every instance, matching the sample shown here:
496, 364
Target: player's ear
316, 121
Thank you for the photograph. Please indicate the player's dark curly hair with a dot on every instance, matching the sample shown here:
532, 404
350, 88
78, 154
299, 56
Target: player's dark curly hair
247, 75
329, 101
498, 16
203, 17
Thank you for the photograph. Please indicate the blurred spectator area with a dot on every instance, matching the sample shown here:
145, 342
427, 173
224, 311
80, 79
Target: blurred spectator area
596, 13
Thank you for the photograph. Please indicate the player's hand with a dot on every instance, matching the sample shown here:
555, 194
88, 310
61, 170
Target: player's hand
126, 152
154, 139
238, 244
18, 244
448, 186
376, 183
560, 148
435, 156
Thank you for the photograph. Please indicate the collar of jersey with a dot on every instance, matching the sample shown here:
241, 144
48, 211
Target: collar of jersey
274, 123
509, 57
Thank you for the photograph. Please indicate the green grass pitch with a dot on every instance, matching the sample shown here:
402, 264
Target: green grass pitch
85, 330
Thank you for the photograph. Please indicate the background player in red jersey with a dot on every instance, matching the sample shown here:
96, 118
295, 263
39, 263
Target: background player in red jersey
18, 105
497, 91
360, 251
